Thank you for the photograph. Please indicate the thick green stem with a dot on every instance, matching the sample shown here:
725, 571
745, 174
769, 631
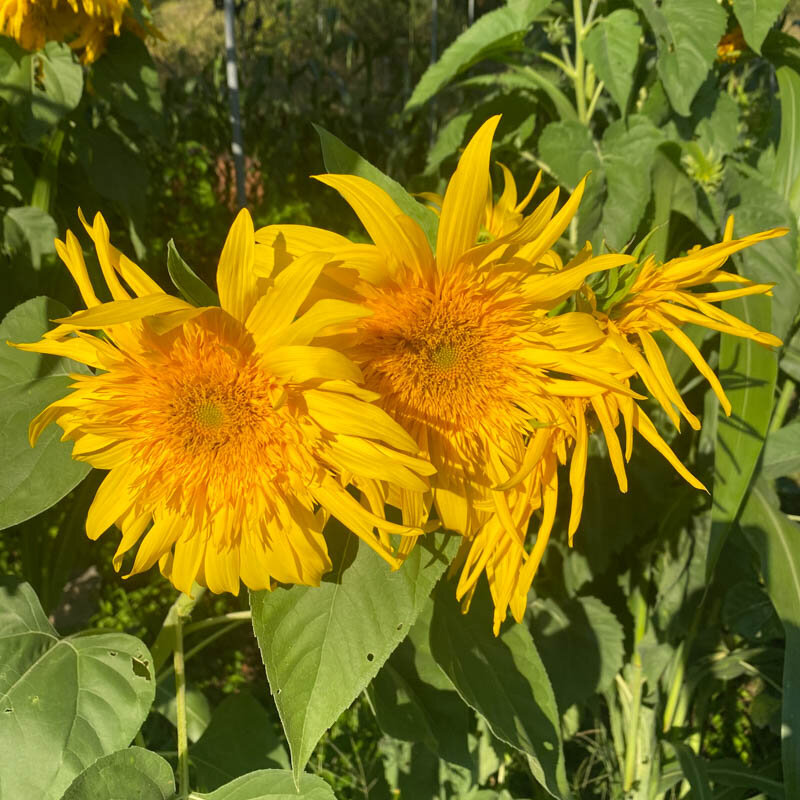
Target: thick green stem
180, 705
632, 739
580, 65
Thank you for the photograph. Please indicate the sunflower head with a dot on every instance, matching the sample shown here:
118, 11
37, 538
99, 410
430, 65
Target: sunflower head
228, 435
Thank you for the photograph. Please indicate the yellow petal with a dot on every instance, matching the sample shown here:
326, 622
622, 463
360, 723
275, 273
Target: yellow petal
120, 311
237, 282
339, 413
300, 363
101, 237
464, 201
612, 442
157, 541
276, 308
221, 569
72, 255
112, 501
323, 314
189, 553
577, 469
74, 348
397, 236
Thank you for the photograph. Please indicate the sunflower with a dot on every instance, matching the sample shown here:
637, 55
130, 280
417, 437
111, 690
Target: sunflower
465, 352
85, 25
664, 297
229, 439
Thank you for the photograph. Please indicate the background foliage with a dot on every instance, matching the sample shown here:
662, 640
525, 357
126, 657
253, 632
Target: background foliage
660, 656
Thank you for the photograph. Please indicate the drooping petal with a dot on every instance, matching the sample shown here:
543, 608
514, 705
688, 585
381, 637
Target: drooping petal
237, 282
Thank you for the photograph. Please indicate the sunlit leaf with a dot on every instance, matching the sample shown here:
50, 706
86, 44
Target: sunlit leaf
272, 784
748, 372
786, 175
493, 34
186, 281
756, 18
322, 645
64, 703
612, 46
124, 775
695, 26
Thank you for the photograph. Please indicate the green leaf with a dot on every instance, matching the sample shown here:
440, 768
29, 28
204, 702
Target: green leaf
503, 679
628, 158
786, 174
694, 770
131, 774
493, 35
41, 87
695, 26
339, 158
569, 151
448, 139
322, 645
272, 784
583, 625
756, 18
612, 47
240, 738
194, 289
30, 232
32, 478
413, 700
64, 703
777, 541
730, 772
747, 372
127, 78
198, 710
782, 452
536, 80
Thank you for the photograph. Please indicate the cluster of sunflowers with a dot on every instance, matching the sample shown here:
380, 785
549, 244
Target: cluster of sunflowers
85, 25
354, 380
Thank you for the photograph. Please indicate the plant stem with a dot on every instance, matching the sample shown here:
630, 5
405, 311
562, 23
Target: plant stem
211, 621
782, 406
632, 739
580, 92
180, 698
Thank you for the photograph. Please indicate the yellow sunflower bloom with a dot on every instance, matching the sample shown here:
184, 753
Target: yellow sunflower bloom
85, 25
228, 437
664, 297
462, 350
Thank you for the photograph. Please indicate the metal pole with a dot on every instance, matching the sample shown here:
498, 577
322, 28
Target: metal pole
233, 100
434, 55
470, 11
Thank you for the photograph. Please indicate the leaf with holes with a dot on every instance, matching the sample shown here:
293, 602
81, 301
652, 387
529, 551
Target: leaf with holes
64, 703
322, 645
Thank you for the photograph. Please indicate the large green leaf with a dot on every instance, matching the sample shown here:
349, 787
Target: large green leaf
786, 173
782, 452
131, 774
322, 645
612, 46
339, 158
198, 710
32, 479
240, 738
747, 372
777, 542
503, 679
756, 18
272, 784
29, 232
694, 770
41, 87
415, 701
127, 78
695, 26
628, 157
583, 625
64, 703
493, 35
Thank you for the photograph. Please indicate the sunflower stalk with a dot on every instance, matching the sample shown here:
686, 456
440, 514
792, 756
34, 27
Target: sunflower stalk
580, 63
180, 706
632, 739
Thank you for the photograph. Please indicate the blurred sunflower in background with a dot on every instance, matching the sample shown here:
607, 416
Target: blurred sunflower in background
85, 25
229, 440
